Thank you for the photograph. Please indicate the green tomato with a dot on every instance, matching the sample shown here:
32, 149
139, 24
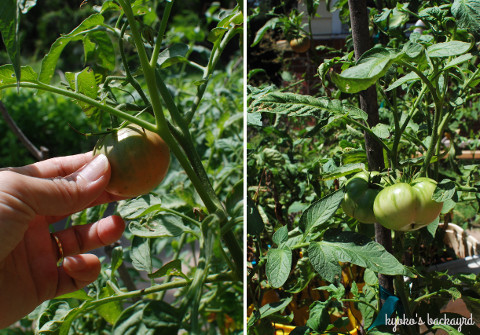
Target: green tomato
359, 198
405, 207
428, 209
395, 207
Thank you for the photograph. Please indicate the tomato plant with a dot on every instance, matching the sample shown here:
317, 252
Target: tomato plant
161, 68
139, 160
391, 103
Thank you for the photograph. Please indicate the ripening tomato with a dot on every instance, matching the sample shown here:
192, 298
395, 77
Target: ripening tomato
407, 207
139, 160
300, 44
359, 197
428, 209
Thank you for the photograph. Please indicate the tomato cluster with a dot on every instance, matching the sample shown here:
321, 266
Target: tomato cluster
139, 160
401, 206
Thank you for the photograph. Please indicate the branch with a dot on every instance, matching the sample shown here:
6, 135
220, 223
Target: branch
38, 154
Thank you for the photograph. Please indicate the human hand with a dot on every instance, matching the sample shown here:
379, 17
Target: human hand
33, 197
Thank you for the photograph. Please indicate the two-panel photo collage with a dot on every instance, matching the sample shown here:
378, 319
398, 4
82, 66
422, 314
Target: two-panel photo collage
260, 167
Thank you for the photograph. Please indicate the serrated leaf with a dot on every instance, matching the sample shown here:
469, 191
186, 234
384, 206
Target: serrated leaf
141, 254
447, 49
49, 62
343, 171
162, 225
9, 22
467, 14
351, 247
303, 105
317, 214
279, 265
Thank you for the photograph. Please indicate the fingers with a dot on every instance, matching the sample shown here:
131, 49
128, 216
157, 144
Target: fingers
60, 195
77, 272
54, 167
78, 269
79, 239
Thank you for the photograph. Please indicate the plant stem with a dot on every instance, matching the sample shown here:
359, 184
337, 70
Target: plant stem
161, 32
220, 277
86, 99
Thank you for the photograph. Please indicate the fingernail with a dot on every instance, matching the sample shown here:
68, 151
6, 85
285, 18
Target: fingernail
95, 169
73, 263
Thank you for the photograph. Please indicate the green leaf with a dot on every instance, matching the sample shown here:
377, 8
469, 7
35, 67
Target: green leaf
373, 65
162, 225
279, 265
130, 321
343, 171
171, 268
255, 223
216, 33
467, 14
381, 130
458, 60
444, 191
319, 318
98, 48
141, 254
161, 318
351, 247
324, 261
270, 24
303, 105
318, 213
280, 236
79, 294
447, 49
172, 55
9, 22
138, 207
49, 62
117, 258
274, 307
409, 77
110, 311
8, 76
84, 82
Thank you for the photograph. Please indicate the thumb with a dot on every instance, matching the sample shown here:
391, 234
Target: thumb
64, 195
